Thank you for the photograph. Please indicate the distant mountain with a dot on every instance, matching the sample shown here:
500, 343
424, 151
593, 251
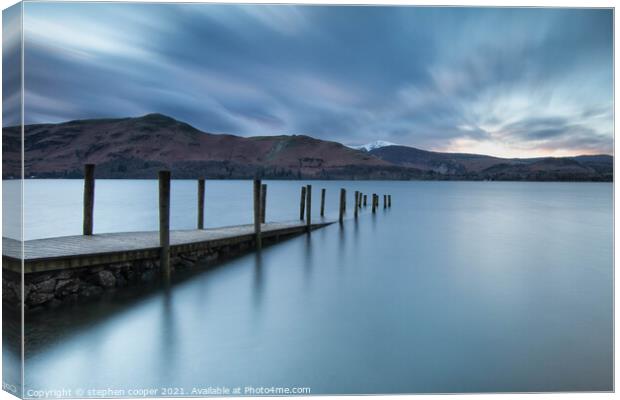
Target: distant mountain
139, 147
377, 144
476, 166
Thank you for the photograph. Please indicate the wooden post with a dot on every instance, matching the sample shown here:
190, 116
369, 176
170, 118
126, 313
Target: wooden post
201, 203
389, 200
308, 206
357, 197
257, 214
365, 196
263, 202
385, 201
359, 200
374, 202
302, 203
164, 222
89, 198
323, 202
343, 193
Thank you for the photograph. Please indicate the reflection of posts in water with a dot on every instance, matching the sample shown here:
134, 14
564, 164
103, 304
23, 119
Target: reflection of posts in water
263, 202
168, 325
164, 222
257, 216
201, 203
258, 277
302, 203
356, 228
308, 207
323, 202
308, 256
341, 245
89, 198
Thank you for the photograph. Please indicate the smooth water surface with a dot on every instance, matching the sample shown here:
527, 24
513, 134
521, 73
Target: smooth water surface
459, 287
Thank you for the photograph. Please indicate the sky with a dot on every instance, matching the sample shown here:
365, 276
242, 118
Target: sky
502, 81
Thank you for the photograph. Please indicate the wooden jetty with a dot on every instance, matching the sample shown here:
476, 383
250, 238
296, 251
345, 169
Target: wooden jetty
71, 268
88, 250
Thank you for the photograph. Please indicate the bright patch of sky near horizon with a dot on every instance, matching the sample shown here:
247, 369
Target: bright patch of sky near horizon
500, 81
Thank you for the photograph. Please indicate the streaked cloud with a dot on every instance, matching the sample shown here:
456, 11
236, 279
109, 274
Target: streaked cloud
505, 81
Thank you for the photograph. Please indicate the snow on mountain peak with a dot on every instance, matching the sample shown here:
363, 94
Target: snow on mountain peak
373, 145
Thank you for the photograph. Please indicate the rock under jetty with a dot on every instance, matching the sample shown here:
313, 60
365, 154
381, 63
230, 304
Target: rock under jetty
74, 268
49, 289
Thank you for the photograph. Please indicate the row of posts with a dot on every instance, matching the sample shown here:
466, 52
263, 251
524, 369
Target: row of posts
259, 200
360, 201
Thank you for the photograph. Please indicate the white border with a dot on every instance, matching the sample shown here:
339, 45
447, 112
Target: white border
482, 3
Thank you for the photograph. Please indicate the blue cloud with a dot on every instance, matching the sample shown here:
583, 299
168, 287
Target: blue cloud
522, 78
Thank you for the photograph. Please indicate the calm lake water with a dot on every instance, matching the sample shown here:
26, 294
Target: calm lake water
459, 287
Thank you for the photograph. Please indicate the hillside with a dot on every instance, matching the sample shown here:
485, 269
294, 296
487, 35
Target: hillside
477, 167
139, 147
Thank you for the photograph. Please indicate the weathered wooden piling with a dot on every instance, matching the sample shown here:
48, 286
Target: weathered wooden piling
263, 202
323, 202
374, 202
389, 200
357, 196
257, 213
164, 222
89, 198
308, 206
365, 196
302, 203
385, 201
343, 194
201, 203
359, 200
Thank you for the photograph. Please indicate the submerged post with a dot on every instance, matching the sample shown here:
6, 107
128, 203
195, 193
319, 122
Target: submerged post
374, 202
323, 202
357, 197
342, 202
89, 198
201, 203
263, 202
365, 196
308, 206
302, 203
164, 222
257, 214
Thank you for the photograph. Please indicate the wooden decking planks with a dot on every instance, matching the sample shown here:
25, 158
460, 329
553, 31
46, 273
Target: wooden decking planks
75, 247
